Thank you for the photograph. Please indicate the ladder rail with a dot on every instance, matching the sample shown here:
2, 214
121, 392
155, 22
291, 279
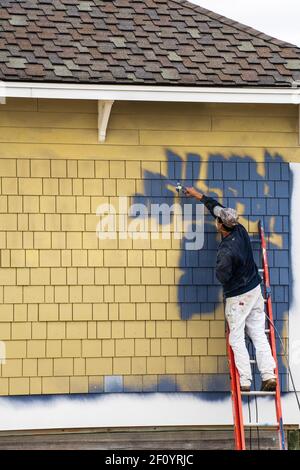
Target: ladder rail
237, 407
236, 394
271, 333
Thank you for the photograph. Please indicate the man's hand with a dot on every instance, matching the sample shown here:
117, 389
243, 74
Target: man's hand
192, 192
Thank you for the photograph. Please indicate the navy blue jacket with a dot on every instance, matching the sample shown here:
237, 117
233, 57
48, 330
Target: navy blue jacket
235, 269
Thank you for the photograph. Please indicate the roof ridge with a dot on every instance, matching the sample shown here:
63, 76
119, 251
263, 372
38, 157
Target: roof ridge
238, 25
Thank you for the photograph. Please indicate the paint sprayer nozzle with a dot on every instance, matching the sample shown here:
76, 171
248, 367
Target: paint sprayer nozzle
180, 188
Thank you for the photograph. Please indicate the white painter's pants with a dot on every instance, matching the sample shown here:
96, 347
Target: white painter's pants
246, 312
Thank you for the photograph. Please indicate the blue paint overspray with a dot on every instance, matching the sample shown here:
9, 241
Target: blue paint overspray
263, 195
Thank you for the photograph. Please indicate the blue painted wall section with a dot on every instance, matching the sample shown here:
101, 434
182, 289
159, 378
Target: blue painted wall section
264, 192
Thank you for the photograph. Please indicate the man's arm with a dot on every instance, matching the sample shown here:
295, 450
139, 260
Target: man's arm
211, 204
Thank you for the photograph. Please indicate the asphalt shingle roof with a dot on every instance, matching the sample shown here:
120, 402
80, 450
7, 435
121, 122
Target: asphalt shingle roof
162, 42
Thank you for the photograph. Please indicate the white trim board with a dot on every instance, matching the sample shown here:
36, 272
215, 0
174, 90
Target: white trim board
135, 409
150, 93
294, 309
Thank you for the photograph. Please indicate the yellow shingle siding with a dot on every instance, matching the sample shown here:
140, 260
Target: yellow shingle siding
75, 309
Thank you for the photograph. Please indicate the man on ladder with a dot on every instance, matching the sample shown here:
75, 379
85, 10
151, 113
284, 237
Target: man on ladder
244, 309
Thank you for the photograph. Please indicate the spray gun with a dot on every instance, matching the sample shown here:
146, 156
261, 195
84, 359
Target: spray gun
180, 188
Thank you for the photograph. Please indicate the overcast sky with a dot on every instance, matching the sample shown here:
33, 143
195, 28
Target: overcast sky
278, 18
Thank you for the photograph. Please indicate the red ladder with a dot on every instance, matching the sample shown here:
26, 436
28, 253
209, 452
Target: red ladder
236, 394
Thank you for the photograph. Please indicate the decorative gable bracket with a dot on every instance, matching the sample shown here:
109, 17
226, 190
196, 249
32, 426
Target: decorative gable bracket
104, 110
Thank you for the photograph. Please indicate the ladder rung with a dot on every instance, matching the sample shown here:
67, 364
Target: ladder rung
261, 270
268, 330
261, 425
257, 393
252, 361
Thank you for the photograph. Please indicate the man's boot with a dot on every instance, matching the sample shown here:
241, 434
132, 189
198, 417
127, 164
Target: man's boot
268, 385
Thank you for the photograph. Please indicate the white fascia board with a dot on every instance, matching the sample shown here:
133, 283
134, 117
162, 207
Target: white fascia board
150, 93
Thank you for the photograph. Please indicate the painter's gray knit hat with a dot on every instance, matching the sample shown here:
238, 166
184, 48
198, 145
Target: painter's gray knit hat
229, 216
